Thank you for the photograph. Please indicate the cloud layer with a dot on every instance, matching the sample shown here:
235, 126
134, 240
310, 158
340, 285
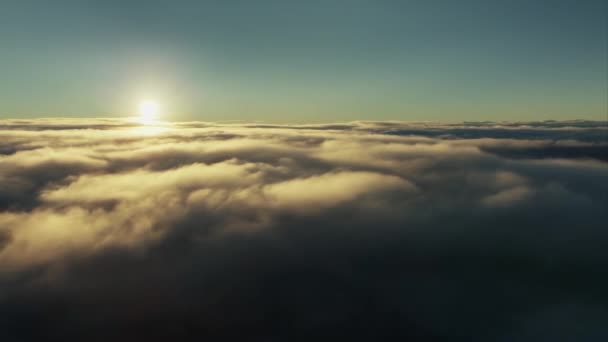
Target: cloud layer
364, 230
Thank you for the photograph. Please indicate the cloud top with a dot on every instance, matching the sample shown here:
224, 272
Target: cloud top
360, 230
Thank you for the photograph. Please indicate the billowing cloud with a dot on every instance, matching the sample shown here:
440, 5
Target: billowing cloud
363, 231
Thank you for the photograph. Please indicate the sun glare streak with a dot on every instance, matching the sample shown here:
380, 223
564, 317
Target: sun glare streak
149, 129
148, 112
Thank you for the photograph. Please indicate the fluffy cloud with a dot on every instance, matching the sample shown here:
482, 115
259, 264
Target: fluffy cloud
364, 230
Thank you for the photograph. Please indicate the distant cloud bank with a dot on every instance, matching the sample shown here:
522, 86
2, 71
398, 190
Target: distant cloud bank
362, 231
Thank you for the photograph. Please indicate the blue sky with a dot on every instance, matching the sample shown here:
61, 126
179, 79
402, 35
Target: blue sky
306, 61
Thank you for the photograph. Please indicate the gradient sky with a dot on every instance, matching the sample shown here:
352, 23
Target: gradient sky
306, 61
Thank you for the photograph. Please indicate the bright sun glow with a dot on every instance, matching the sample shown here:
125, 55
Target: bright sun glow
148, 111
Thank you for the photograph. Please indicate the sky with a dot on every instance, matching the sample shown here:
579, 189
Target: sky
305, 61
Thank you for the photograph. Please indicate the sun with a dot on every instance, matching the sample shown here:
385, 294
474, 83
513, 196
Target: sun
148, 111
